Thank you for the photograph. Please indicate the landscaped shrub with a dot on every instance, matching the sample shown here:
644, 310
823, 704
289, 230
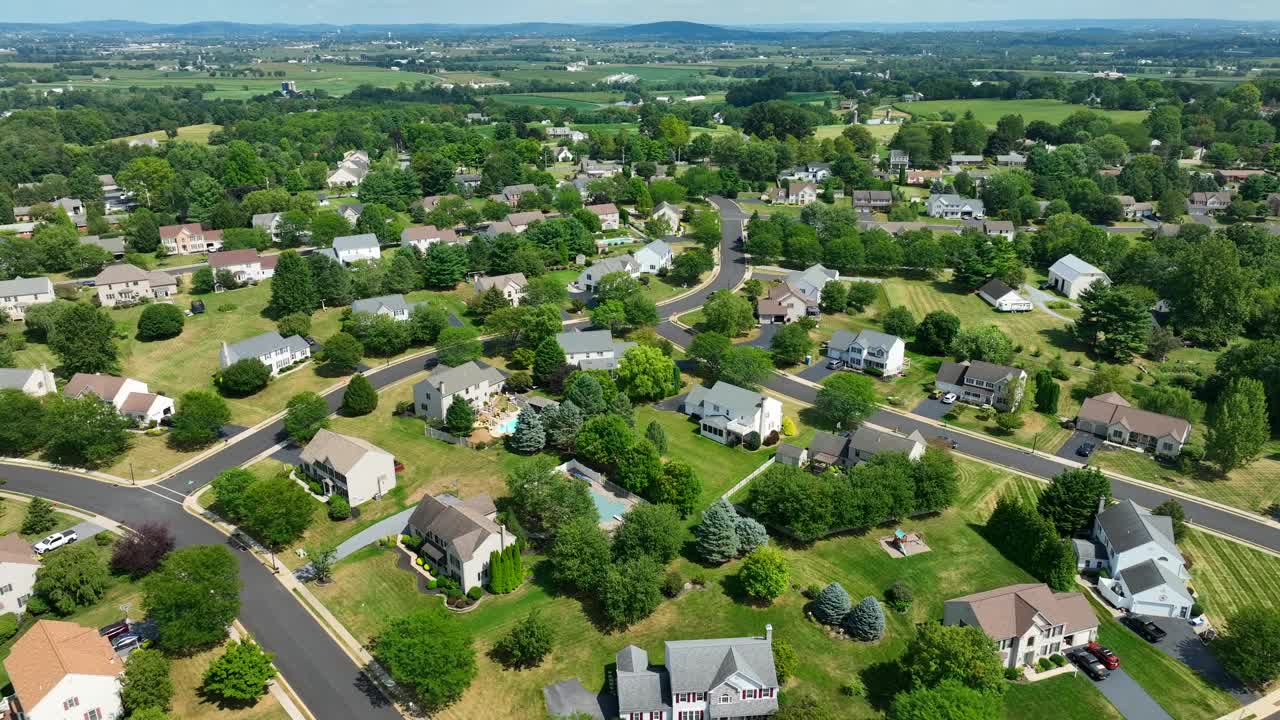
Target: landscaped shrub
899, 596
811, 591
854, 688
831, 604
243, 377
1058, 660
420, 562
432, 583
866, 620
37, 606
1196, 609
8, 626
1043, 664
339, 508
1012, 673
475, 593
751, 441
102, 539
772, 439
672, 584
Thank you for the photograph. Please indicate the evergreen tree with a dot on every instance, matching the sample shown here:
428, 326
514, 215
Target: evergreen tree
332, 281
292, 287
489, 302
561, 424
402, 274
751, 534
620, 405
866, 620
547, 360
529, 436
1047, 392
359, 398
831, 604
717, 535
657, 436
460, 418
586, 393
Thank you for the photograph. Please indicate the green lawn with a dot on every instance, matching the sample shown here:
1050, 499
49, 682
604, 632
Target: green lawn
198, 134
1228, 576
718, 466
557, 100
336, 79
990, 111
14, 510
1049, 698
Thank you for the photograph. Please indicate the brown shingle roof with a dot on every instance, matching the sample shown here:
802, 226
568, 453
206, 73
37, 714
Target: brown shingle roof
104, 386
603, 209
227, 258
169, 231
50, 651
1009, 611
1112, 408
138, 402
125, 272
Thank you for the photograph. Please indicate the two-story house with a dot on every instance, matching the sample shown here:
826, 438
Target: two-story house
354, 248
810, 281
20, 293
268, 223
1134, 210
126, 284
36, 382
458, 536
1207, 203
727, 413
784, 304
424, 236
674, 215
873, 352
608, 214
591, 275
18, 566
131, 398
350, 171
868, 201
349, 466
1026, 622
63, 671
983, 383
1111, 417
393, 306
190, 239
1148, 573
654, 257
511, 286
797, 193
899, 160
1071, 276
511, 194
592, 349
352, 212
848, 449
954, 206
246, 266
814, 172
273, 350
1002, 297
472, 381
701, 679
520, 221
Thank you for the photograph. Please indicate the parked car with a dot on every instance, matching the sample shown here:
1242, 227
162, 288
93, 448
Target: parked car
835, 364
1085, 449
1146, 629
55, 541
1089, 664
949, 398
1104, 655
114, 630
125, 642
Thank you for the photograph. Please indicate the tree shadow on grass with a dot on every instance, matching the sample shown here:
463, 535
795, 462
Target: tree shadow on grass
883, 681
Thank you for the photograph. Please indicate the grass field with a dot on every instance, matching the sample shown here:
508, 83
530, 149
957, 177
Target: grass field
718, 466
549, 101
198, 134
990, 111
336, 79
1253, 487
1228, 576
15, 510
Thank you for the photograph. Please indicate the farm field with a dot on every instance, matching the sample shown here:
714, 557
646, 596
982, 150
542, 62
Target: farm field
561, 100
990, 111
333, 78
198, 134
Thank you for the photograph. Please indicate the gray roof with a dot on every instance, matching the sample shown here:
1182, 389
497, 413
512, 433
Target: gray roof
113, 245
394, 303
869, 440
1129, 525
825, 443
639, 688
264, 219
1087, 549
812, 278
789, 451
1072, 266
843, 339
995, 289
568, 697
1150, 574
260, 345
951, 373
355, 242
465, 524
583, 341
700, 665
991, 372
15, 378
449, 380
341, 452
25, 286
731, 397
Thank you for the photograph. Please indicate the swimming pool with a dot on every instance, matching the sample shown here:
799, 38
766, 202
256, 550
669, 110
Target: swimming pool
606, 505
507, 427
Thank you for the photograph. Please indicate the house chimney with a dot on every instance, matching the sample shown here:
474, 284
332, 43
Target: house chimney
1102, 503
768, 632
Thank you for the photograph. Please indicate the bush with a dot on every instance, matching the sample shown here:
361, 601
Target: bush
831, 604
751, 441
339, 508
899, 596
519, 382
243, 377
672, 584
1196, 609
8, 626
1008, 422
854, 688
475, 593
771, 439
432, 583
420, 562
865, 621
160, 321
102, 539
1058, 660
1013, 673
1043, 664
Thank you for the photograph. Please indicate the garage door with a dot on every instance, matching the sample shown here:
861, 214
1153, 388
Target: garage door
1155, 609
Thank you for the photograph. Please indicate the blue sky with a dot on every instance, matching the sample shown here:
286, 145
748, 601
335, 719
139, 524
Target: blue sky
715, 11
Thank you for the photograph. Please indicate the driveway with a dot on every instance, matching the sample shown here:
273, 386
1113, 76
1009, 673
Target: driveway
932, 408
1041, 299
1129, 698
765, 337
1182, 644
1078, 438
818, 371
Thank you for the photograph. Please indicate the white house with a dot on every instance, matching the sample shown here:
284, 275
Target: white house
1111, 417
62, 671
458, 536
1072, 276
592, 349
727, 413
472, 381
393, 306
511, 286
351, 170
810, 281
127, 284
20, 293
1148, 573
983, 383
716, 678
671, 213
592, 274
1003, 298
1026, 622
352, 212
132, 398
349, 466
246, 265
18, 566
868, 350
268, 223
814, 172
273, 350
34, 382
954, 206
608, 214
562, 154
190, 239
424, 236
657, 255
783, 304
354, 248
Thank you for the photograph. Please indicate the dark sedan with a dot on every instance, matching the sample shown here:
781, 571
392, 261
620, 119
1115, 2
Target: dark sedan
1089, 664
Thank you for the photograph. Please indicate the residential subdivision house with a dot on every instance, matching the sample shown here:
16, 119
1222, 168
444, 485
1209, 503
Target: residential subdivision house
18, 566
674, 215
714, 678
868, 201
471, 381
520, 221
810, 281
1003, 298
654, 257
71, 206
190, 239
114, 246
727, 413
592, 274
20, 293
1134, 210
63, 671
350, 171
268, 223
797, 193
592, 349
847, 449
270, 348
1148, 574
784, 304
126, 284
983, 383
350, 466
511, 285
1208, 203
393, 306
511, 194
814, 172
467, 182
36, 382
1071, 276
131, 398
424, 236
458, 536
351, 213
608, 214
871, 351
1026, 622
964, 160
899, 160
246, 266
353, 248
1111, 417
954, 206
1013, 159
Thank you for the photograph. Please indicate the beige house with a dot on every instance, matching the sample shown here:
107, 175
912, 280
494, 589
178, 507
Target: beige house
511, 286
784, 304
18, 566
18, 294
132, 398
1111, 417
1027, 622
424, 236
349, 466
63, 671
189, 239
120, 285
608, 214
471, 381
458, 536
671, 213
36, 382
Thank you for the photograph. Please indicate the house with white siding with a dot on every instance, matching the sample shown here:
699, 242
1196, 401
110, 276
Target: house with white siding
1002, 297
246, 266
393, 306
272, 349
36, 382
1148, 574
871, 351
592, 349
1071, 276
511, 286
354, 248
351, 467
982, 383
474, 382
268, 223
608, 214
654, 257
727, 413
131, 398
18, 566
63, 671
20, 293
458, 536
1027, 622
424, 236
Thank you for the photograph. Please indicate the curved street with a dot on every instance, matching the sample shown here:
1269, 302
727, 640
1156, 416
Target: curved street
324, 676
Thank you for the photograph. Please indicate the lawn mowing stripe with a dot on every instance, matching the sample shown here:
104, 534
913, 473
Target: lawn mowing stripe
1248, 568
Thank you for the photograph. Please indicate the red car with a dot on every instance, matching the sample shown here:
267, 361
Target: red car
1105, 656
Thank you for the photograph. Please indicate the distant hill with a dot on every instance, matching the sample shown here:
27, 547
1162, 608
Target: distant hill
676, 30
